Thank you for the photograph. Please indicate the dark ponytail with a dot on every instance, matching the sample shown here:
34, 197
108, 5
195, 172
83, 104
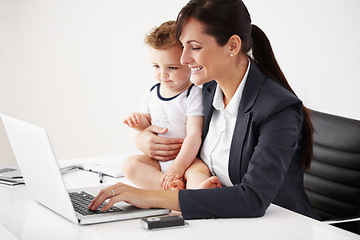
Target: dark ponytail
263, 55
225, 18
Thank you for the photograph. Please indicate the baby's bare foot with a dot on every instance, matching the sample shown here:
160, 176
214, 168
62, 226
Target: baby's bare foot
211, 182
177, 184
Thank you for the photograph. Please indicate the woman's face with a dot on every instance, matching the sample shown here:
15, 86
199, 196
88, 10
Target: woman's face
207, 59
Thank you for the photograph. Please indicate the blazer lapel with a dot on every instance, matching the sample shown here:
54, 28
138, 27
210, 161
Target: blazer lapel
251, 90
236, 148
208, 95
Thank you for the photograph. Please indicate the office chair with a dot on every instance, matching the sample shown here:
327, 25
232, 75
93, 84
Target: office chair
333, 181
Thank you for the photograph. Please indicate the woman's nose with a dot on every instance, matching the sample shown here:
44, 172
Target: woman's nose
185, 57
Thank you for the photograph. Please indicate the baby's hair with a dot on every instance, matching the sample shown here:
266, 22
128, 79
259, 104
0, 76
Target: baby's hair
163, 37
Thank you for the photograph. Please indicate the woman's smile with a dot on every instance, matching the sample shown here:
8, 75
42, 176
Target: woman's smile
195, 70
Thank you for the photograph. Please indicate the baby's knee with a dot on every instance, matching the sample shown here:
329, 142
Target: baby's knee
128, 165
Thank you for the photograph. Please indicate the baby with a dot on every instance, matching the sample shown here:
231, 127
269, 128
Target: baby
174, 103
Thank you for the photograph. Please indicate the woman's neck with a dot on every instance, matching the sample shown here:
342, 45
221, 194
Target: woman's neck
232, 79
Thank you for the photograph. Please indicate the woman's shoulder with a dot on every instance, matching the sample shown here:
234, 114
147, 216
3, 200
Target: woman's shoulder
274, 98
262, 84
271, 97
274, 90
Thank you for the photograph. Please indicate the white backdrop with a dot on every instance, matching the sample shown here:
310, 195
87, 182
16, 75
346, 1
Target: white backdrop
78, 67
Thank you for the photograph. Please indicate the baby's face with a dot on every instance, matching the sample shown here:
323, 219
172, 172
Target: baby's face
168, 69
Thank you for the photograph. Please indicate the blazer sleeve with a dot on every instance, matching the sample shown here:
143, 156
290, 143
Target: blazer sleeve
270, 145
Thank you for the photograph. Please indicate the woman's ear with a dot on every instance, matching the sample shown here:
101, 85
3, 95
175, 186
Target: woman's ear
234, 44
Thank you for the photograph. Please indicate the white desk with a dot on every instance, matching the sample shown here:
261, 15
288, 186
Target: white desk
23, 218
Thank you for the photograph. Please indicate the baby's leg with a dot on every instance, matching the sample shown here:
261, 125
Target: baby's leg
143, 171
198, 176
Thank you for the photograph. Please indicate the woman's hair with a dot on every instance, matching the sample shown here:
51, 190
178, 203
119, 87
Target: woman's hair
163, 37
225, 18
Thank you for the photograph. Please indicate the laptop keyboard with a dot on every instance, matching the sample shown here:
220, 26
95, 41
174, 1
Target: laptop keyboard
81, 200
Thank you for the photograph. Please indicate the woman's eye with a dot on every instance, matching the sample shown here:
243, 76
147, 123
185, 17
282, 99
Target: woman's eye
195, 47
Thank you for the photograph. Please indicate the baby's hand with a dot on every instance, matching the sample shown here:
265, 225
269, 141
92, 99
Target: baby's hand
173, 173
133, 120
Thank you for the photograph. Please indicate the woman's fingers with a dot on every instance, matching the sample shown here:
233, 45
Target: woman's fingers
157, 147
103, 195
99, 199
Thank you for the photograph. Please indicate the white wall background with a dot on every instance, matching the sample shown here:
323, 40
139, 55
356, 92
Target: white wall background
78, 67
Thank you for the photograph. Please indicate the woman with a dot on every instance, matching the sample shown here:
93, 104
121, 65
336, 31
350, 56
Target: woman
257, 136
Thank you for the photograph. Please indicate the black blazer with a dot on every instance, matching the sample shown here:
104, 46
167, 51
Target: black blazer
264, 162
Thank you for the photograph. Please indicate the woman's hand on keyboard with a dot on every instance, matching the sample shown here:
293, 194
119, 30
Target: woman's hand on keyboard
137, 197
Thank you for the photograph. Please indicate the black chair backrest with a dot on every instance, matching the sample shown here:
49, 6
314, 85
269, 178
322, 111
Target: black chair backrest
333, 181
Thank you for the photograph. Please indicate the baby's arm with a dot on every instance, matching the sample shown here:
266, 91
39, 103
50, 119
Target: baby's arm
138, 121
188, 151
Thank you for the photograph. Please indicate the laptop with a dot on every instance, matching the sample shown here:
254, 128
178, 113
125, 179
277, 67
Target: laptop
33, 152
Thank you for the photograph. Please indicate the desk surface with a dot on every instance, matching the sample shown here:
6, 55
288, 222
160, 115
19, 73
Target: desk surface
23, 218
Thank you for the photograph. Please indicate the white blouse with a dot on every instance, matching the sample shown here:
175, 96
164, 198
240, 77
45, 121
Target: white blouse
216, 147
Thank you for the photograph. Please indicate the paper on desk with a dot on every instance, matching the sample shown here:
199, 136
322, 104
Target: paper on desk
108, 165
10, 176
10, 172
11, 181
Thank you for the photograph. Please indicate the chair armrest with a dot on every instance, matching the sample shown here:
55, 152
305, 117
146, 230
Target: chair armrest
342, 220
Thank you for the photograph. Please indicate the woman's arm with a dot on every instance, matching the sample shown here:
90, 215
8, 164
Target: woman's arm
268, 151
249, 198
137, 197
